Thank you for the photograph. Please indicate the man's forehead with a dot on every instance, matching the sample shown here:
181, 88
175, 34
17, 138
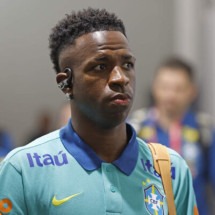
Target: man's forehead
101, 38
169, 71
95, 42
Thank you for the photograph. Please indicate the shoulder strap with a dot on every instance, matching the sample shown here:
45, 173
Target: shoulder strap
162, 166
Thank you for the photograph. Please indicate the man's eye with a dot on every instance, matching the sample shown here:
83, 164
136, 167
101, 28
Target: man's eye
129, 65
100, 67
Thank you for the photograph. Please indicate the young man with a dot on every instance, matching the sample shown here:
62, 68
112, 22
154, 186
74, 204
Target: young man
172, 122
94, 165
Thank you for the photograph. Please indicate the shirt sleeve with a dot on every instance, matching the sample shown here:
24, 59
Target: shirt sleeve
12, 201
185, 200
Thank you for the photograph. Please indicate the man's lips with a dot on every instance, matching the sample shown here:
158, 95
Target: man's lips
121, 99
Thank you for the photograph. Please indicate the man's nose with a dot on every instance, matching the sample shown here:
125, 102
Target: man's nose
118, 79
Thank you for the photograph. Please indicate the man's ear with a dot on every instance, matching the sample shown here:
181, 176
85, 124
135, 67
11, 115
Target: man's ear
64, 81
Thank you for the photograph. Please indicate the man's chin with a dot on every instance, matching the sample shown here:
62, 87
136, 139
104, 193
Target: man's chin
114, 119
173, 111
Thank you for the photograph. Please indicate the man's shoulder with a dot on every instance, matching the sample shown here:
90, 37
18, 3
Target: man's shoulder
206, 127
204, 119
144, 146
175, 158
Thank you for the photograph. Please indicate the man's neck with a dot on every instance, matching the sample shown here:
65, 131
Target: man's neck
166, 119
107, 143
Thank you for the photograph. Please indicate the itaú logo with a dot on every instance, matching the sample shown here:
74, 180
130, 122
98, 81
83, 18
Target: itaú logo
35, 159
5, 206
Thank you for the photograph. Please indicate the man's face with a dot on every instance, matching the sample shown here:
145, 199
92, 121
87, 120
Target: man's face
173, 91
103, 77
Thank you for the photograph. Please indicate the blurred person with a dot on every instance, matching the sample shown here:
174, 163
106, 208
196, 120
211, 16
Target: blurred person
173, 122
211, 164
95, 165
63, 114
6, 143
42, 126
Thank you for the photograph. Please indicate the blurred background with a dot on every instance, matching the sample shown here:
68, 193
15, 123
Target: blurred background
29, 95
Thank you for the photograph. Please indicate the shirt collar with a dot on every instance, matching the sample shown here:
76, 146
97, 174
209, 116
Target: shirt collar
89, 160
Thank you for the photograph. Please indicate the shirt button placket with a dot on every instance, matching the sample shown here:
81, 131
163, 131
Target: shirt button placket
112, 193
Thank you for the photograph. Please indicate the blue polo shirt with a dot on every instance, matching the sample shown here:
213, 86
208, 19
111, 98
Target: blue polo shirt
60, 174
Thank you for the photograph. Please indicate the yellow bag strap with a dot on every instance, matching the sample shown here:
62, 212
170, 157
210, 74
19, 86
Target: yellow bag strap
162, 166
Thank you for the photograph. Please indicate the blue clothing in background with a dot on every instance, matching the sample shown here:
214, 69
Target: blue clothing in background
212, 162
6, 143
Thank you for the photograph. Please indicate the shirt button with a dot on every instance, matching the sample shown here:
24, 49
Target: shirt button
112, 189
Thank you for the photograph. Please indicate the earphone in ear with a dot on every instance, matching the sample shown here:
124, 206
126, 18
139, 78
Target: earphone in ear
67, 83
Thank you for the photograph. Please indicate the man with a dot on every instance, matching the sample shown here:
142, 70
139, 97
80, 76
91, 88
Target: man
94, 165
172, 122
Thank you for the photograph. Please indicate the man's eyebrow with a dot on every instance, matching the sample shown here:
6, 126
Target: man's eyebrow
128, 57
101, 58
104, 57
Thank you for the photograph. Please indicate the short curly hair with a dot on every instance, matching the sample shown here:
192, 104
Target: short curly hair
79, 23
